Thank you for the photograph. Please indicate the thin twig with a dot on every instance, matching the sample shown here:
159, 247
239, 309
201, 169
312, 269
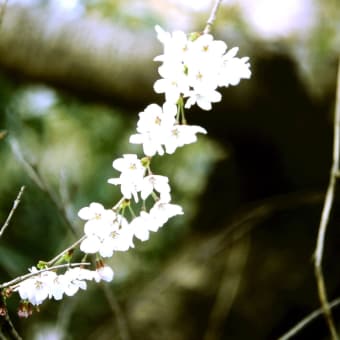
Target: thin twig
14, 333
7, 325
15, 205
237, 256
117, 312
64, 195
306, 320
60, 255
57, 203
67, 308
325, 216
118, 204
18, 279
212, 17
246, 219
36, 177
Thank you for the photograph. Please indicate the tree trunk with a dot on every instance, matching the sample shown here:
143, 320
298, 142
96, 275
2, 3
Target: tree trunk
90, 56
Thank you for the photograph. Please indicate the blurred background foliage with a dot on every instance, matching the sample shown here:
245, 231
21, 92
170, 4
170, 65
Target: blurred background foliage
238, 264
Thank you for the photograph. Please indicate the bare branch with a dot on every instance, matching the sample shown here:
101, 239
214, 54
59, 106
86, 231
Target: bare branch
65, 251
325, 216
9, 325
18, 279
236, 260
38, 179
117, 312
212, 17
15, 205
306, 320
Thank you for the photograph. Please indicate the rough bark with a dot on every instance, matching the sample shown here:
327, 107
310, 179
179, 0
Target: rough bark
86, 55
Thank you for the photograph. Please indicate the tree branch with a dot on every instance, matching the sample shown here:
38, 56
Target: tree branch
9, 217
18, 279
325, 216
65, 251
117, 312
212, 17
13, 333
306, 320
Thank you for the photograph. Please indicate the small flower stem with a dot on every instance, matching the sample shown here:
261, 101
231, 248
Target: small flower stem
148, 169
179, 109
154, 196
21, 278
212, 17
15, 205
325, 216
144, 205
184, 121
118, 204
122, 213
131, 211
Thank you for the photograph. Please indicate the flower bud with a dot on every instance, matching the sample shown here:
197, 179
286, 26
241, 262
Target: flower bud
25, 309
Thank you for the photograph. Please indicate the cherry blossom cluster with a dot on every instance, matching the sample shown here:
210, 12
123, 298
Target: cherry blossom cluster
47, 284
193, 67
158, 128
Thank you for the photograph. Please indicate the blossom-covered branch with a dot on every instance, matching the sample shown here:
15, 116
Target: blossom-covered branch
193, 67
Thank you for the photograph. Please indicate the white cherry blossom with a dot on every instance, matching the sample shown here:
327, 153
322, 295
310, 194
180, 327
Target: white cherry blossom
91, 245
132, 173
206, 49
158, 183
174, 81
140, 226
203, 99
75, 279
48, 284
120, 239
143, 224
107, 240
100, 225
194, 68
233, 70
182, 135
153, 127
163, 211
98, 218
57, 287
176, 45
37, 288
124, 239
103, 272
